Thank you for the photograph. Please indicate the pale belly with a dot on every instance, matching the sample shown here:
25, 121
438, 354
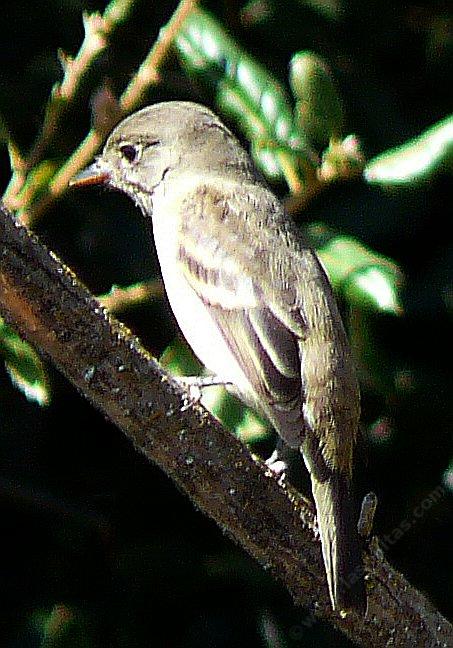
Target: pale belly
193, 317
202, 333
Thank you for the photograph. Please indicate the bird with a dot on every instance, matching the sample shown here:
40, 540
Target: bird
252, 300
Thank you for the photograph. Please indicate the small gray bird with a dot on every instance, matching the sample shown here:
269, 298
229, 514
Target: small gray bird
252, 300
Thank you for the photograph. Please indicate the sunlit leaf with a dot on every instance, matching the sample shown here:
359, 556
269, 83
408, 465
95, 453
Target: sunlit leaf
416, 161
38, 180
251, 428
24, 366
362, 276
244, 90
119, 298
179, 360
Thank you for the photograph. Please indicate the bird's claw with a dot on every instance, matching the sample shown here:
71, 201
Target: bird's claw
277, 465
194, 385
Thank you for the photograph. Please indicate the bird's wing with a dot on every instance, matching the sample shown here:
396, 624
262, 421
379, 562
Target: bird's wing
273, 305
230, 273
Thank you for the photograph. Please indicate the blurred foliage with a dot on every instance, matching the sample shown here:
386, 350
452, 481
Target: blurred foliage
365, 279
62, 627
319, 110
24, 365
3, 132
416, 161
98, 547
245, 91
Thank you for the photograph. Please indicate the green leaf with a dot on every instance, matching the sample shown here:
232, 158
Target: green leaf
362, 276
38, 179
417, 161
62, 627
24, 366
331, 9
252, 429
319, 110
179, 360
244, 91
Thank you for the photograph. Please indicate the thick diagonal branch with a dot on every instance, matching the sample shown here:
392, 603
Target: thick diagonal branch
45, 302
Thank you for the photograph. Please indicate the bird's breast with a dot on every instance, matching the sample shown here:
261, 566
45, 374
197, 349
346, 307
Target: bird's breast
192, 315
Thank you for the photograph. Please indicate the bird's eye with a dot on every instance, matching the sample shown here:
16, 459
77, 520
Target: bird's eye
131, 152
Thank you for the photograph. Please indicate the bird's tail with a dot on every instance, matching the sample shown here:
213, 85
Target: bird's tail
340, 543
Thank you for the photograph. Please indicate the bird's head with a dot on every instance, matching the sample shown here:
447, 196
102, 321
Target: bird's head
162, 141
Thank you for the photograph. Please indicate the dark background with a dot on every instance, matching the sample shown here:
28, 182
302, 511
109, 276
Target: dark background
85, 522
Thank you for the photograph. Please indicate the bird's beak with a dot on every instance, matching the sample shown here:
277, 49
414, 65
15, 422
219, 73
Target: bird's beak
94, 174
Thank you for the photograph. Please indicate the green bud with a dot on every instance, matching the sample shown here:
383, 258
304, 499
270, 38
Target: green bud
319, 111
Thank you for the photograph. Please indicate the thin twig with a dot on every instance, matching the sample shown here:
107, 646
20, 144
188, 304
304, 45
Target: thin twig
97, 31
117, 299
292, 177
19, 174
81, 156
148, 72
145, 76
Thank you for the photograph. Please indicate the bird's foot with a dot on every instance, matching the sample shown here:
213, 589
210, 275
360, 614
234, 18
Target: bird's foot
277, 465
195, 384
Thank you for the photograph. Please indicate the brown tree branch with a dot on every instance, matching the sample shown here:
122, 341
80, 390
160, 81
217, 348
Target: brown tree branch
49, 307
